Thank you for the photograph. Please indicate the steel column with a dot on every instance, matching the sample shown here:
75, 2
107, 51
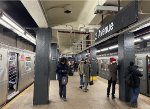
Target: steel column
125, 55
41, 84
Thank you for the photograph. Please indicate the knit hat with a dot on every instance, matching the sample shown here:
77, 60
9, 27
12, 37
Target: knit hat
112, 60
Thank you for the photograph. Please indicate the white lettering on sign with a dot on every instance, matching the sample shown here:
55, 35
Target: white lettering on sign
104, 31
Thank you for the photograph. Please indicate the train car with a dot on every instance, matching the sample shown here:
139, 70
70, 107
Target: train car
16, 71
142, 60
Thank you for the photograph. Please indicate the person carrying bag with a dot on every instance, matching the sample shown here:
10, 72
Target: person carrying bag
62, 73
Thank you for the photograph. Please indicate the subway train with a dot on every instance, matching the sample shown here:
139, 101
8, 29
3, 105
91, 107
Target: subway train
142, 60
16, 71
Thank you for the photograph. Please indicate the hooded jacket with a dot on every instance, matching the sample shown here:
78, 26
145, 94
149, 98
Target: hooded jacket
62, 70
135, 75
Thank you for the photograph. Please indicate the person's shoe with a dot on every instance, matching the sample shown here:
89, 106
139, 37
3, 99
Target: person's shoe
107, 95
80, 87
85, 90
60, 97
113, 97
133, 105
64, 99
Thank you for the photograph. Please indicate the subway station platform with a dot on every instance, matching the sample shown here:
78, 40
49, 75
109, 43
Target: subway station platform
95, 98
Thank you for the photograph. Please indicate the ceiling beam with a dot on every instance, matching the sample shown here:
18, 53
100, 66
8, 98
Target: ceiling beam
35, 10
73, 32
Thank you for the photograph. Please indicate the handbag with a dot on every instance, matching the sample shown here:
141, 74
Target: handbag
91, 82
64, 80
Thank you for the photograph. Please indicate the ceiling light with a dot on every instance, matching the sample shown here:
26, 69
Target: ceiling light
97, 51
146, 37
9, 23
104, 49
137, 40
141, 27
91, 30
113, 47
82, 30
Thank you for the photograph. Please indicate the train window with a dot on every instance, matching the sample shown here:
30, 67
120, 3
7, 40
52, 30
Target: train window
140, 64
148, 44
137, 46
28, 67
104, 64
148, 64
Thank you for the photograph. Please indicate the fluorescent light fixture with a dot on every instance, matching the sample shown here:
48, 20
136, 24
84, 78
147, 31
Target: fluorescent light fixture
9, 23
137, 40
87, 53
113, 47
104, 49
91, 30
97, 51
31, 38
82, 30
146, 37
141, 27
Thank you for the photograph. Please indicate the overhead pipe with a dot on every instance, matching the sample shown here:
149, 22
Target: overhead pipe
73, 32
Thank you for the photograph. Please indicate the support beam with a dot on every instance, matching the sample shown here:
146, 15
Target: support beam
54, 59
125, 55
35, 10
41, 83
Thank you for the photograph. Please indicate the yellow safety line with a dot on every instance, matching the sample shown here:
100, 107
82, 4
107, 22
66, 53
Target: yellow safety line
7, 106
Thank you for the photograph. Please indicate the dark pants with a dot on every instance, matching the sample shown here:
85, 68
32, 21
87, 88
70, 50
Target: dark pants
62, 90
134, 95
81, 80
113, 83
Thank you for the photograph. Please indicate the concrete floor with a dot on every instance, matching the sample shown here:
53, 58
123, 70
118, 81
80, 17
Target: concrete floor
95, 98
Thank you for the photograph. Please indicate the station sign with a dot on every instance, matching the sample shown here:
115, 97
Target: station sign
123, 19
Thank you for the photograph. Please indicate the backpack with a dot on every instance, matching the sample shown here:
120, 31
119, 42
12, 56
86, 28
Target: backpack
64, 80
130, 80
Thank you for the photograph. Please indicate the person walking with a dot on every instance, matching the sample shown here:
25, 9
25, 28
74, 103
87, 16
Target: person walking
135, 90
112, 77
62, 72
80, 70
86, 74
75, 66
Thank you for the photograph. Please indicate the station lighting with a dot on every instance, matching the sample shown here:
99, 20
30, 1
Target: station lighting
87, 54
9, 23
137, 40
146, 37
116, 46
141, 27
104, 49
97, 51
113, 47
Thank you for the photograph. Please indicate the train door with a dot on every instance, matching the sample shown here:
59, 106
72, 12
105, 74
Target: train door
13, 74
142, 66
148, 75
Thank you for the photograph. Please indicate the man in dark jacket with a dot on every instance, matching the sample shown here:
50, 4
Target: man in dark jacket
112, 77
61, 71
135, 90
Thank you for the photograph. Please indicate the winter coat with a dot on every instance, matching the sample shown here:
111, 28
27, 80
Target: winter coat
86, 72
135, 75
112, 71
80, 68
62, 70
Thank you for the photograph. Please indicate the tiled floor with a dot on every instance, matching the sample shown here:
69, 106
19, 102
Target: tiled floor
95, 98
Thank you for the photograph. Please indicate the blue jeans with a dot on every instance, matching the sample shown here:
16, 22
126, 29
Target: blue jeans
81, 80
62, 90
134, 95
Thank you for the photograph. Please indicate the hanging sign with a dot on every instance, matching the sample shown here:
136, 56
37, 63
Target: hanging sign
123, 19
